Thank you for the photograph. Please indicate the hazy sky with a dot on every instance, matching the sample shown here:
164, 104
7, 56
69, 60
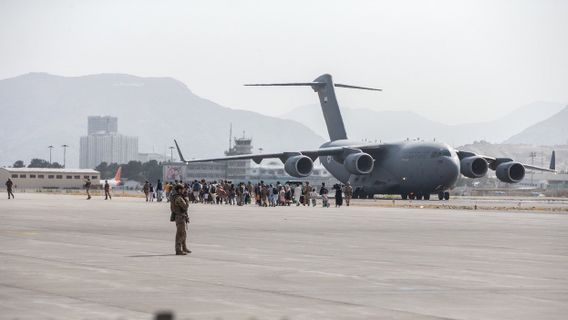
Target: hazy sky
451, 60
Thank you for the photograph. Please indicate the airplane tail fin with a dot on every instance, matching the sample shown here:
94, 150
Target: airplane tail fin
179, 151
324, 87
553, 161
118, 174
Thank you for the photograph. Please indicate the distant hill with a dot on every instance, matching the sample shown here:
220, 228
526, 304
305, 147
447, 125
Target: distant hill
399, 125
552, 131
40, 109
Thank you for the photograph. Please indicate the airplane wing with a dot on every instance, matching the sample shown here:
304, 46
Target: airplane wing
283, 156
493, 161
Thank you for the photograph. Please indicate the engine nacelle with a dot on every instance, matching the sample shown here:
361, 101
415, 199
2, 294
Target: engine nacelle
359, 163
473, 167
510, 172
299, 166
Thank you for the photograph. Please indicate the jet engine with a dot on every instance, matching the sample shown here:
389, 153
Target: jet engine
299, 166
510, 172
473, 167
359, 163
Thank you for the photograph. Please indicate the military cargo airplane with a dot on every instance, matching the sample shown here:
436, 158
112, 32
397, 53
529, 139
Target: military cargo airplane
412, 169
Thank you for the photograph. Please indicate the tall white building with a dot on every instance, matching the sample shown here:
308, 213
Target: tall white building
102, 125
104, 144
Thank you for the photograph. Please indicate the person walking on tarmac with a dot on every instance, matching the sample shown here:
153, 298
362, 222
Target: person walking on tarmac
146, 189
307, 193
107, 191
159, 190
179, 206
88, 188
9, 185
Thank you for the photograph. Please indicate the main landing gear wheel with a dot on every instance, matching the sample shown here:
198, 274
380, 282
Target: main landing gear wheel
440, 196
446, 195
404, 196
426, 197
419, 196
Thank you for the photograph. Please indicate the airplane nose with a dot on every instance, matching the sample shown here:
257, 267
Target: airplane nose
452, 172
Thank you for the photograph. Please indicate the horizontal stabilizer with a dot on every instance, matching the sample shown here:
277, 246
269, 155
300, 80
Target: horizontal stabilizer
339, 85
291, 84
309, 84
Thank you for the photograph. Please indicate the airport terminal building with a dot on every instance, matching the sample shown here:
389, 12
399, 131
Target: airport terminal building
47, 178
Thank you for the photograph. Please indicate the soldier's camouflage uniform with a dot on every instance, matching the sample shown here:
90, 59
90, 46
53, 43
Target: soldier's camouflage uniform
179, 207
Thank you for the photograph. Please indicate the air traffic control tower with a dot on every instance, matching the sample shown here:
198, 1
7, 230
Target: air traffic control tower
239, 170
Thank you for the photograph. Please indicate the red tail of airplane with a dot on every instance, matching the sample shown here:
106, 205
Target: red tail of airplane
118, 173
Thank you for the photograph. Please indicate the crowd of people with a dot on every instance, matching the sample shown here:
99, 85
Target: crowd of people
260, 194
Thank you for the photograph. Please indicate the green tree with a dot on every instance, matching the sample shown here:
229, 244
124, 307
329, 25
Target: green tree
133, 171
102, 167
108, 171
18, 164
38, 163
152, 171
56, 165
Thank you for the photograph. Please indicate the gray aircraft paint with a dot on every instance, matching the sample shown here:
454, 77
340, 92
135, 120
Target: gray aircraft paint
330, 108
399, 168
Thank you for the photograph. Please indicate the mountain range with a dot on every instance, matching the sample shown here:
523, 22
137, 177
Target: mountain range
391, 126
553, 131
40, 109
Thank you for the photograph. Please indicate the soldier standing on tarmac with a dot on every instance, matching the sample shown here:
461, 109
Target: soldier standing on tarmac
9, 185
107, 191
88, 188
179, 207
348, 193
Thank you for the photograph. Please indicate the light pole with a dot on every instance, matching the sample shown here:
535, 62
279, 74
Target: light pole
64, 151
532, 155
50, 147
171, 154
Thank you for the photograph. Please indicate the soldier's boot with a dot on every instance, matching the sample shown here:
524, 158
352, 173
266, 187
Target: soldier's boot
179, 250
185, 249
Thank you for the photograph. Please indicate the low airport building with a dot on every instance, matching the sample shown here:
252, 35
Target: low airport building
47, 178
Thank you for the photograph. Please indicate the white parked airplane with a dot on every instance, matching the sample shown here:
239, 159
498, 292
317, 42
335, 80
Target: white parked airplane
114, 181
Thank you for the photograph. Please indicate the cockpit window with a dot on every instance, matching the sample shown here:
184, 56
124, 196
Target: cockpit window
441, 153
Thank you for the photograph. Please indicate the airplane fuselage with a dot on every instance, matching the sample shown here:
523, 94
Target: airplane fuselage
400, 168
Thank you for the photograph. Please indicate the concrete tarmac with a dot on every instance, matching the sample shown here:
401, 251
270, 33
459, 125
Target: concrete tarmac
63, 257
